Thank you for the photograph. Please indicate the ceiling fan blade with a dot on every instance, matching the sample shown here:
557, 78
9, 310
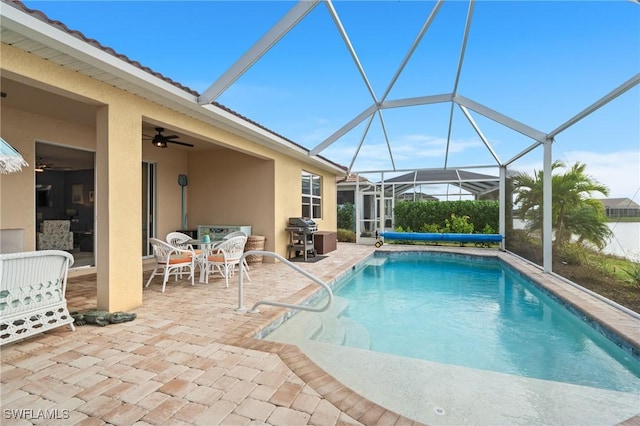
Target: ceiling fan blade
170, 137
181, 143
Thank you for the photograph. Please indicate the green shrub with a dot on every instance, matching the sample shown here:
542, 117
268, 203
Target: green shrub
488, 230
458, 224
418, 214
346, 236
573, 254
347, 216
431, 228
634, 273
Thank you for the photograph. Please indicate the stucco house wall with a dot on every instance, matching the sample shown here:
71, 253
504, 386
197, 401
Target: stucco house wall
237, 180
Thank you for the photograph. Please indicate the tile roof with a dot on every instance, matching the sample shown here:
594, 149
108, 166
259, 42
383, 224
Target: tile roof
78, 34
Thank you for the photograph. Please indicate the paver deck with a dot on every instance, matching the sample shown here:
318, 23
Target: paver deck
188, 358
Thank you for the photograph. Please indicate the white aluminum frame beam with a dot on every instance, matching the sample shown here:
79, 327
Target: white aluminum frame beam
259, 49
483, 166
463, 47
386, 138
344, 129
419, 100
480, 134
347, 42
501, 118
364, 135
413, 47
523, 153
627, 85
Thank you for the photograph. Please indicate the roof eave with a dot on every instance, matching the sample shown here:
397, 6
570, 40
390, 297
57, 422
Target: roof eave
177, 98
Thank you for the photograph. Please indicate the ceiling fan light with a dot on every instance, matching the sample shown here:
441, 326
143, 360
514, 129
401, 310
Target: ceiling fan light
160, 143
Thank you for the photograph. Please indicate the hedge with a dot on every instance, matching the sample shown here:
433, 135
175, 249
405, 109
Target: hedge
432, 216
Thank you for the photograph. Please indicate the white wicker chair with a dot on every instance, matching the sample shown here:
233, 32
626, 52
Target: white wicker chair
32, 293
238, 234
178, 239
225, 257
171, 260
235, 234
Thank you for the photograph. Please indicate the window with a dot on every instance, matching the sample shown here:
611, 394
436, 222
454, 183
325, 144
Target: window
311, 196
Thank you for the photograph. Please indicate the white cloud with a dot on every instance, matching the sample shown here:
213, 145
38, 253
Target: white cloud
619, 171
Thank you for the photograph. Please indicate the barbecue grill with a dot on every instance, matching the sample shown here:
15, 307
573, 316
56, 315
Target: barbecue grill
301, 240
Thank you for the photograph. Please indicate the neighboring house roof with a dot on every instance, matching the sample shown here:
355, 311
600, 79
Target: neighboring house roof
351, 178
410, 196
619, 203
41, 42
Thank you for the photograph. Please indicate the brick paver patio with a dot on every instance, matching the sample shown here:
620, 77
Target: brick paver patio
188, 358
191, 358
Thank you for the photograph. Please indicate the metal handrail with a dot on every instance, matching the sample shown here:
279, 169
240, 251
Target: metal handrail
281, 304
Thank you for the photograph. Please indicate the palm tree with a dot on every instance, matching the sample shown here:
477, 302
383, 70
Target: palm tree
573, 211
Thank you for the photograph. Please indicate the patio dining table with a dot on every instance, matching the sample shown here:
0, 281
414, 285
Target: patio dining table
206, 247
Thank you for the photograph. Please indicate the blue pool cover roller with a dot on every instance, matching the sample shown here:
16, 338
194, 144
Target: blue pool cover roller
434, 236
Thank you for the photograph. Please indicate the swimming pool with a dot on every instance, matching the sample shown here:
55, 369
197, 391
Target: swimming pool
475, 313
471, 315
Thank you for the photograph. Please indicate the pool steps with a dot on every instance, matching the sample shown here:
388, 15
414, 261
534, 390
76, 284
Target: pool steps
326, 327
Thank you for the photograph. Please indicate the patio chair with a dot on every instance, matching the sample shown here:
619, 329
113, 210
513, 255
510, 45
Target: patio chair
171, 260
225, 257
234, 234
238, 234
178, 239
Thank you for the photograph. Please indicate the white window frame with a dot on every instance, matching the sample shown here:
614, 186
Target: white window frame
311, 202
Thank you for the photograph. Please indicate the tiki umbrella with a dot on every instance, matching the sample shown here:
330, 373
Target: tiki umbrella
10, 160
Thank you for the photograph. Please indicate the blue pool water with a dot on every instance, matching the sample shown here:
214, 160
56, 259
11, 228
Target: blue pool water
479, 313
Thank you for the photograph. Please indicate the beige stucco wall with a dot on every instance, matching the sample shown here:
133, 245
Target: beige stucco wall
231, 188
23, 130
237, 181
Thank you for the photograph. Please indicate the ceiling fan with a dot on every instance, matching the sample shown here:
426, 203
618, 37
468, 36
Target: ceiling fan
161, 140
41, 166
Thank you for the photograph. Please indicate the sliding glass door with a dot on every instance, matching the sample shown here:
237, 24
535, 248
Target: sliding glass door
149, 205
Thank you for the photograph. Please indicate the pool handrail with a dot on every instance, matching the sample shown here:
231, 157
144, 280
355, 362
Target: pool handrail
281, 304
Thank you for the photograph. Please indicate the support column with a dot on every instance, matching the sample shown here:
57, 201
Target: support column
356, 202
547, 218
502, 206
119, 207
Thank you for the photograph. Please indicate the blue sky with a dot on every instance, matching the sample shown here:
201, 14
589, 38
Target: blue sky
537, 62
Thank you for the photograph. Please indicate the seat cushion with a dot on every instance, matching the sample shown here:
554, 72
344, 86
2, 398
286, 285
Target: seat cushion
218, 258
174, 259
